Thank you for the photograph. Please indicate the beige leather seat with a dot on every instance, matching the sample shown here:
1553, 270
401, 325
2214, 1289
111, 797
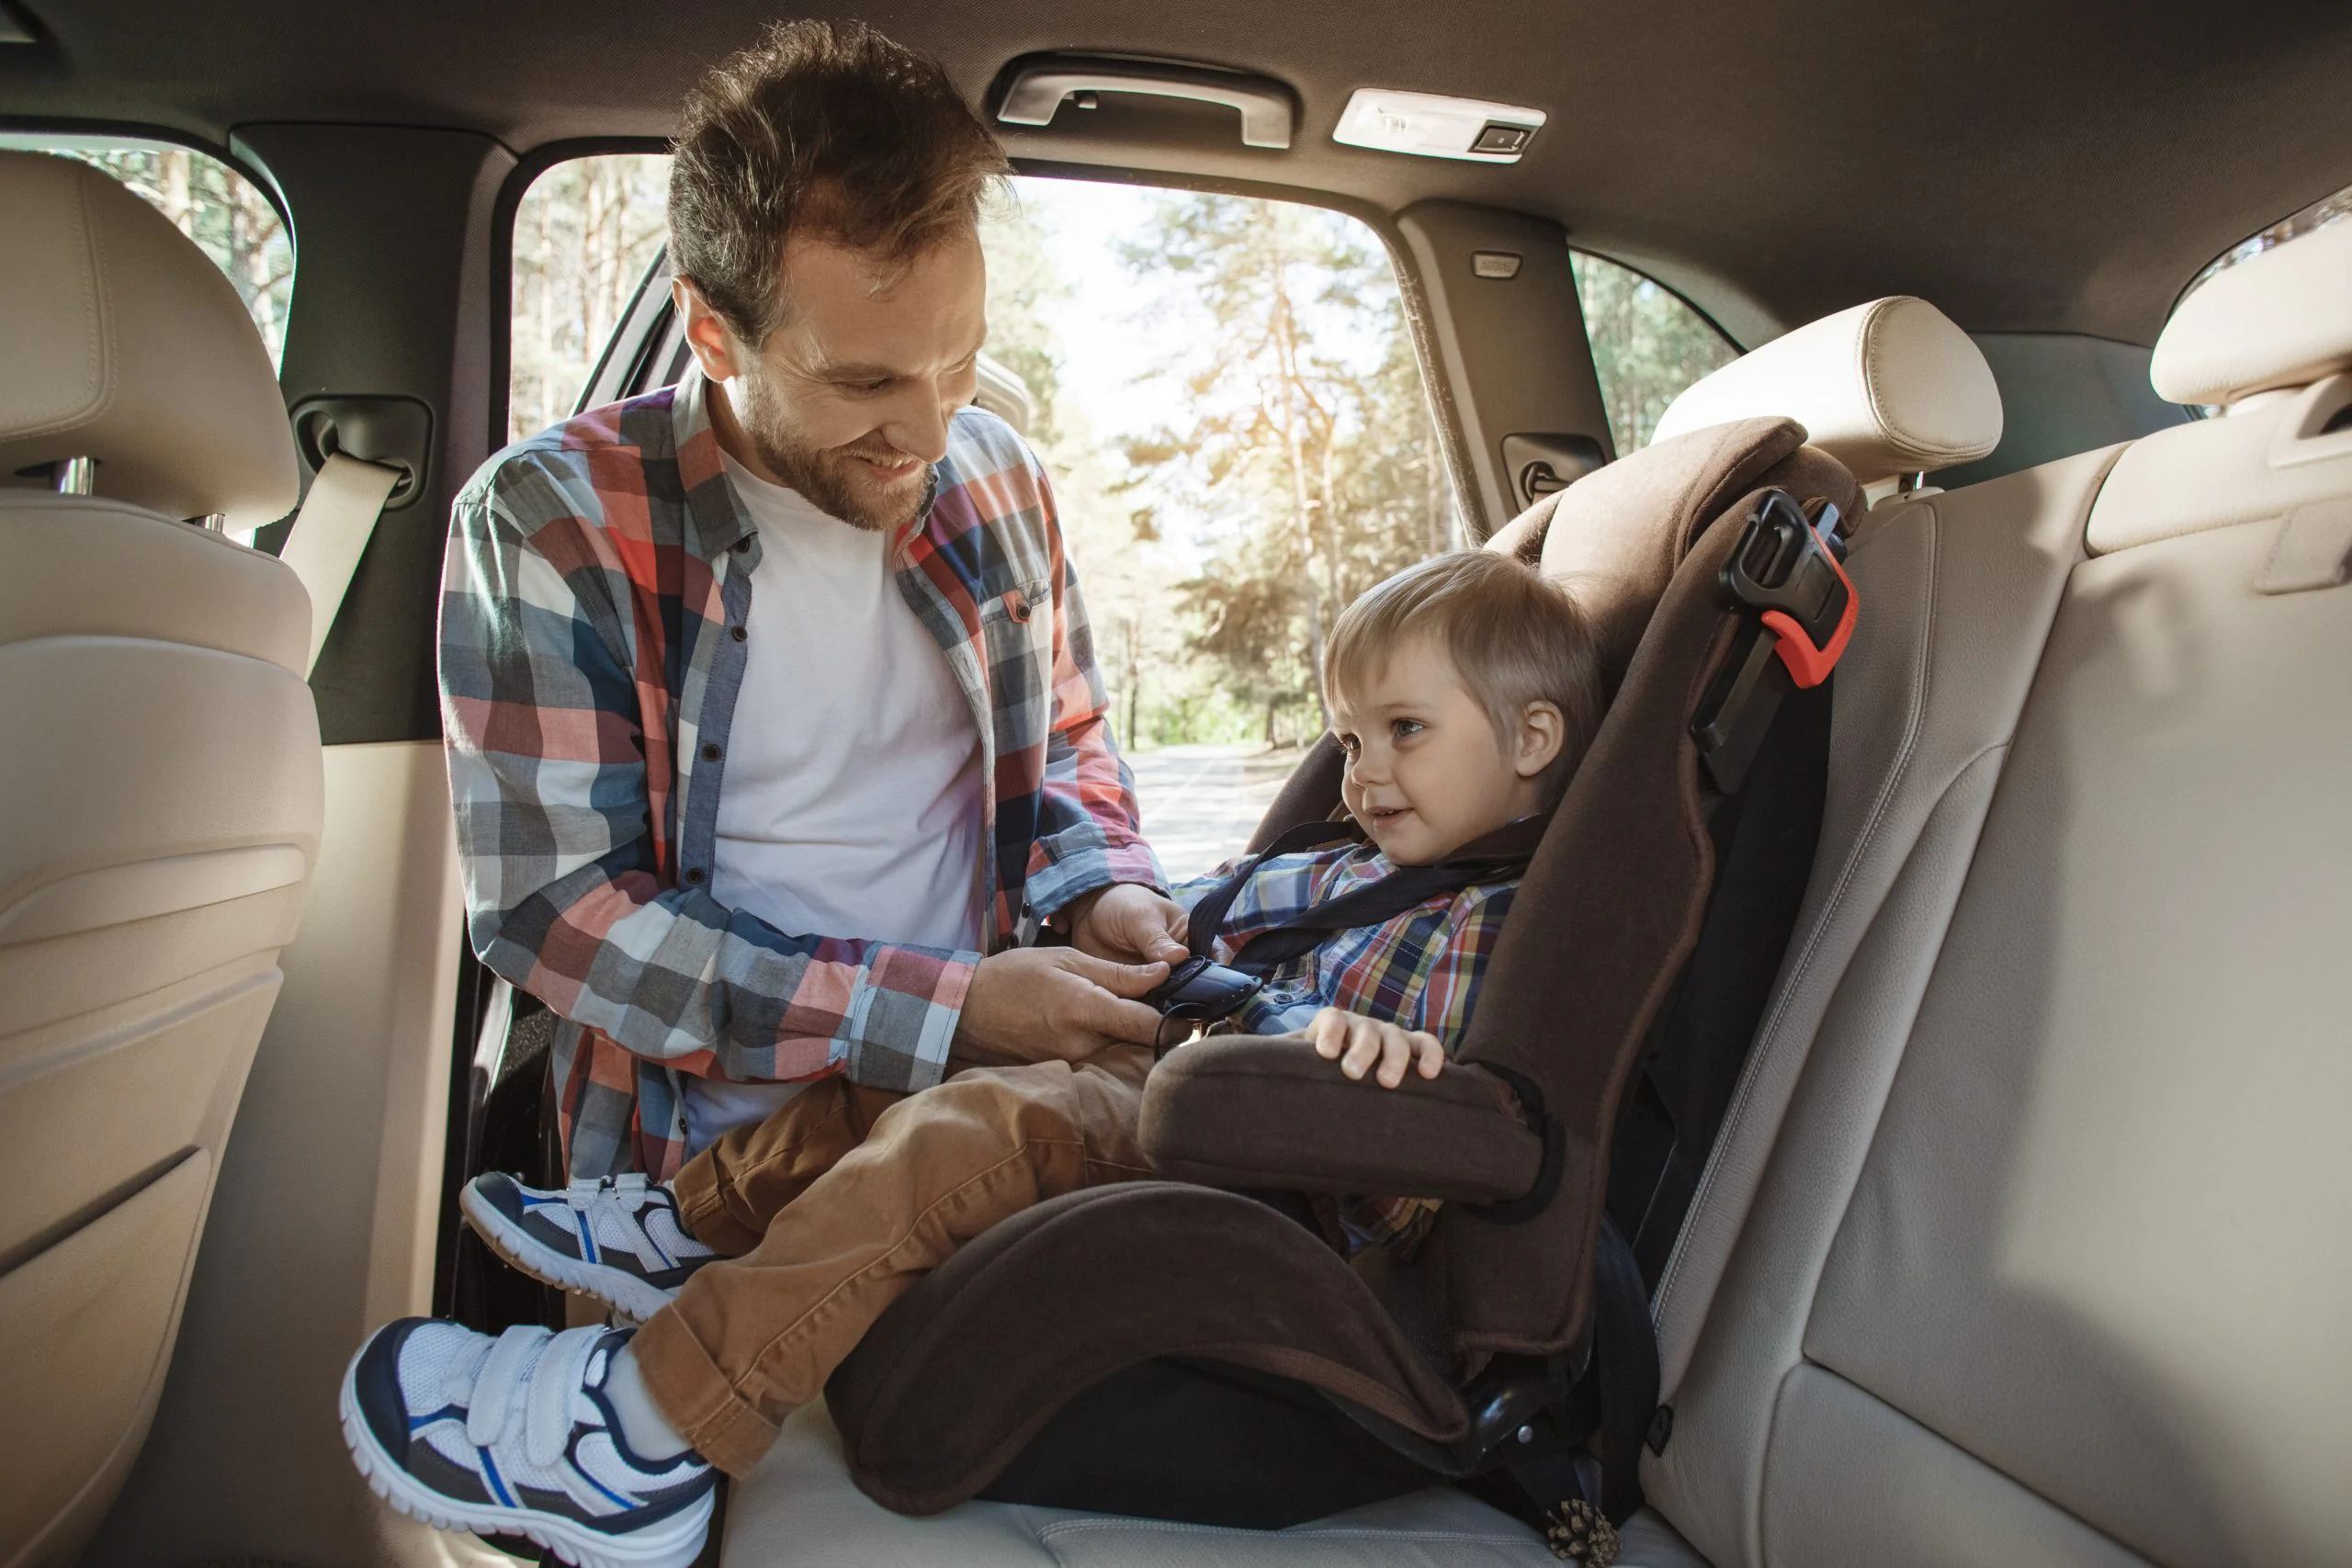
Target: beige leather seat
160, 783
1893, 388
2026, 1242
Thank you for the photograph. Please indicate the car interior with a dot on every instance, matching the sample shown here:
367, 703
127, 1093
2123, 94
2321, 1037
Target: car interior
2017, 1230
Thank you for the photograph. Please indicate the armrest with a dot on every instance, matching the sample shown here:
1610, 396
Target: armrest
1265, 1110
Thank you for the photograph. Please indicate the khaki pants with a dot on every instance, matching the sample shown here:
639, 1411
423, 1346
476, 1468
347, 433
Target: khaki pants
836, 1204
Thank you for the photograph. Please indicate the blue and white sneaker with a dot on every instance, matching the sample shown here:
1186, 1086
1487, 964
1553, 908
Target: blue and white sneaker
618, 1239
513, 1436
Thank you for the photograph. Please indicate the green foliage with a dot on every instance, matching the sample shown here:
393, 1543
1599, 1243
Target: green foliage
1022, 283
1311, 465
1646, 344
585, 234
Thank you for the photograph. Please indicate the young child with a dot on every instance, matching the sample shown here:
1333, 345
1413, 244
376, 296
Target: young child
1463, 692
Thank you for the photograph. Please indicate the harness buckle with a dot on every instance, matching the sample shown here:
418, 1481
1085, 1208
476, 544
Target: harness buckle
1200, 992
1786, 574
1787, 571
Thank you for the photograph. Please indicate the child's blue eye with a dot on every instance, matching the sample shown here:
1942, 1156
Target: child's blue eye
1404, 727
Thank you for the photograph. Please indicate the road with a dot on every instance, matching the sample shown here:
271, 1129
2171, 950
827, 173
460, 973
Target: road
1201, 803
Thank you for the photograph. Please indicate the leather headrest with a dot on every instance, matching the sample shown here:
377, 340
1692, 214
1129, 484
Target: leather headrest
1888, 387
125, 345
1616, 536
2280, 319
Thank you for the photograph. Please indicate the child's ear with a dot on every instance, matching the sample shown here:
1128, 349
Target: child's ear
1541, 732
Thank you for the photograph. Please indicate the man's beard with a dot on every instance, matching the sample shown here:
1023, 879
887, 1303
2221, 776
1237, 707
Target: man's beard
826, 476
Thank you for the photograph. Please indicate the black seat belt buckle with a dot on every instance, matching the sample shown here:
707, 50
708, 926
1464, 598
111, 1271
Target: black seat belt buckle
1201, 992
1785, 575
1786, 571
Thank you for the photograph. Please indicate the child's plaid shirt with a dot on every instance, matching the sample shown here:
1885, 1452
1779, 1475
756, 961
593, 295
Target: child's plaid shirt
593, 620
1418, 970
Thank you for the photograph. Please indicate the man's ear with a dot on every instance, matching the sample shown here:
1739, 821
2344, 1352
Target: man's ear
1541, 732
715, 347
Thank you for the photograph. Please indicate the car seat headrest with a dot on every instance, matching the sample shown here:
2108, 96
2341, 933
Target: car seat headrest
1889, 388
126, 346
1615, 536
2280, 319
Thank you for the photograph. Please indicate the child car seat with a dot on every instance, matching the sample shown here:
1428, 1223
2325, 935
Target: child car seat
1186, 1348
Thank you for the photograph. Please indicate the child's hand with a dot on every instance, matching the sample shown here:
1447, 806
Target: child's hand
1357, 1043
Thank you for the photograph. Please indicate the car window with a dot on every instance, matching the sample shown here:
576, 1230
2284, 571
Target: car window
1230, 406
1222, 388
585, 232
1647, 344
220, 210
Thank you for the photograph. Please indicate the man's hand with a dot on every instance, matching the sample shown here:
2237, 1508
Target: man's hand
1037, 1004
1357, 1043
1129, 923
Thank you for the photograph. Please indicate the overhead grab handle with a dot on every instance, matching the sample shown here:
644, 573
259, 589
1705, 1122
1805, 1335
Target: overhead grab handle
1038, 87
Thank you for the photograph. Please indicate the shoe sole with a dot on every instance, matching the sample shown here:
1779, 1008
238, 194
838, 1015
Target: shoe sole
672, 1542
616, 1288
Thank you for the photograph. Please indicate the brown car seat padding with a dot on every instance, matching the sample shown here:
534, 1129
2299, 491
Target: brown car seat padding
1091, 1282
1243, 1111
1608, 913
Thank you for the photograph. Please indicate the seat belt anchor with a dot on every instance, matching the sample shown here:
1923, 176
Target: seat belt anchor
1786, 570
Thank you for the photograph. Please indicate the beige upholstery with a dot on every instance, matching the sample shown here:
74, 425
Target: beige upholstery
125, 345
800, 1507
1889, 388
162, 777
2025, 1242
2281, 319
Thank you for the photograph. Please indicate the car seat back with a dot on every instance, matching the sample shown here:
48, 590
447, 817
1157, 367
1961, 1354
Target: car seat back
2027, 1243
161, 775
1395, 1348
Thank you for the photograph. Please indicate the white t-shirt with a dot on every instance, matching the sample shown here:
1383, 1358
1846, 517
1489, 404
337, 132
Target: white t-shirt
851, 805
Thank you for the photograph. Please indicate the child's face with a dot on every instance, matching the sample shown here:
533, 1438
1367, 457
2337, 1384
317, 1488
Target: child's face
1426, 771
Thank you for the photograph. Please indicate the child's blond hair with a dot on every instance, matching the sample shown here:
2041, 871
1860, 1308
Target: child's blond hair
1515, 637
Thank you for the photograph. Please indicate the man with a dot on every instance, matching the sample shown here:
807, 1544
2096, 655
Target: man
773, 724
771, 702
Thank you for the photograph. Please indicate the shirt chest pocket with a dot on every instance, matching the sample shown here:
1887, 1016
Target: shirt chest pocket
1017, 642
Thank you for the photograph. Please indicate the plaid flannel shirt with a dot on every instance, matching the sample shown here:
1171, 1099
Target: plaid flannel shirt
598, 581
1420, 970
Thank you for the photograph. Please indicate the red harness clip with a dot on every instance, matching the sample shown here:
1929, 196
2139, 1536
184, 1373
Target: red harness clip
1785, 569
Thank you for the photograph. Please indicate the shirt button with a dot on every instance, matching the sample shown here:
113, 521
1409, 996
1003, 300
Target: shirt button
693, 877
738, 633
710, 752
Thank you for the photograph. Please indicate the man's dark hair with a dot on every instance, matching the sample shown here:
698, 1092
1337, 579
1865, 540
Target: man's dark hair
822, 129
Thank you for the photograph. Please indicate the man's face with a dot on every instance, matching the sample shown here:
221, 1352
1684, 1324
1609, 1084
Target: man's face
848, 401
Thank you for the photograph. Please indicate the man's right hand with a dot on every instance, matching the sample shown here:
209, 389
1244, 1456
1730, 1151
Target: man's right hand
1037, 1004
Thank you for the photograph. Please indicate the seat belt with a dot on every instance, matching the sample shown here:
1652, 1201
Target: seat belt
331, 533
1200, 991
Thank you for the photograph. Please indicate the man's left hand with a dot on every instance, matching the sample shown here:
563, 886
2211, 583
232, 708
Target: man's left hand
1129, 923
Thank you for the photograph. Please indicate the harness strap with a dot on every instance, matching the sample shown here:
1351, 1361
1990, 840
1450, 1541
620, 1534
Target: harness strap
1498, 854
1208, 916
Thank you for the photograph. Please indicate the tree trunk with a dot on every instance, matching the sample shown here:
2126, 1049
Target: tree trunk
1285, 336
